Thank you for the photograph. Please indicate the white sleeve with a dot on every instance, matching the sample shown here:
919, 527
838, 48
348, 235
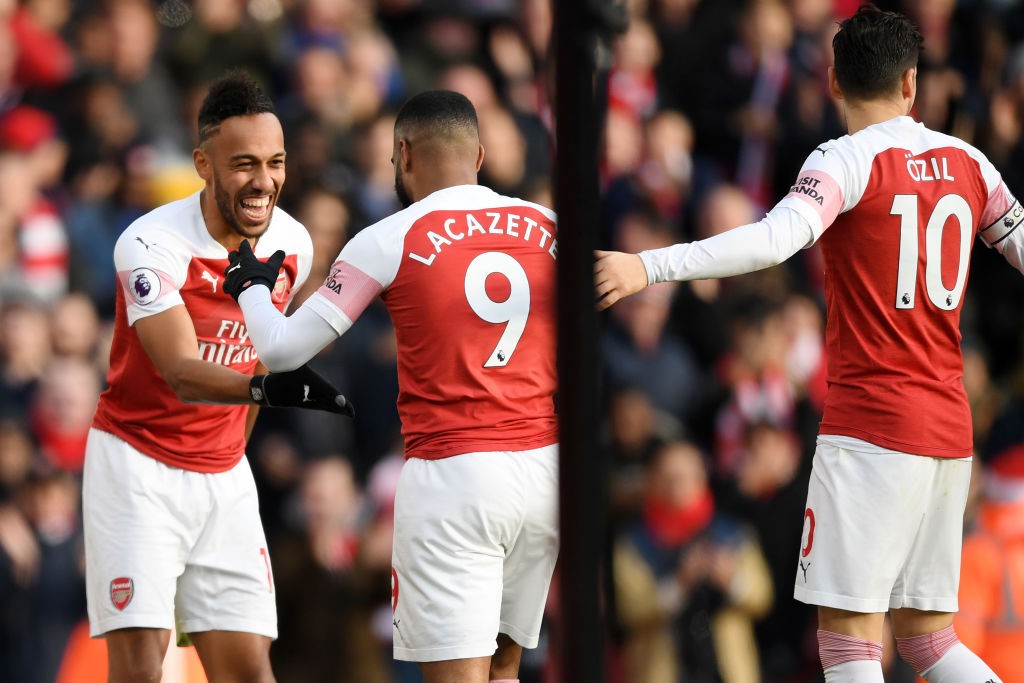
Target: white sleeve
284, 343
1012, 248
151, 272
357, 277
769, 242
1000, 225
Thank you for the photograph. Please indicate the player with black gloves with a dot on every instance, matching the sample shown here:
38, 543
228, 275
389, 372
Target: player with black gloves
173, 537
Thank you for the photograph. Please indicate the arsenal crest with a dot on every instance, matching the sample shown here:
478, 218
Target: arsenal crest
280, 292
122, 589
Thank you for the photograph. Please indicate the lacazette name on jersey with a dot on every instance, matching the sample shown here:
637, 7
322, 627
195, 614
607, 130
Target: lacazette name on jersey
468, 225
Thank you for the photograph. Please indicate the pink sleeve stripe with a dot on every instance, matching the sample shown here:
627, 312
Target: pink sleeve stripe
1000, 201
349, 289
821, 192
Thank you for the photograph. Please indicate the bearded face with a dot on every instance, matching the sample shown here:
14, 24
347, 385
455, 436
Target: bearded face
245, 171
403, 195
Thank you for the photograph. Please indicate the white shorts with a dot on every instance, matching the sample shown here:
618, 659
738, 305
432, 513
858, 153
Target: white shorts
882, 530
169, 548
476, 538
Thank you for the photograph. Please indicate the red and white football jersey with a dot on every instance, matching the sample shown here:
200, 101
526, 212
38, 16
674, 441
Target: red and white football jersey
468, 277
897, 207
164, 259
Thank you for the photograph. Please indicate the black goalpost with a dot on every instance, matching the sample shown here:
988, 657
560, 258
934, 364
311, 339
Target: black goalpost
580, 28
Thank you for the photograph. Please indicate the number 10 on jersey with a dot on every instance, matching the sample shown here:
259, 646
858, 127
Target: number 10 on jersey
512, 312
952, 205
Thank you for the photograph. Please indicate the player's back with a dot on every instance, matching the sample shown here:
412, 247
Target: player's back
896, 265
472, 300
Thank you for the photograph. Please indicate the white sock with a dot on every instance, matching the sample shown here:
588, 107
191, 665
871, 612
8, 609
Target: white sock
855, 671
960, 665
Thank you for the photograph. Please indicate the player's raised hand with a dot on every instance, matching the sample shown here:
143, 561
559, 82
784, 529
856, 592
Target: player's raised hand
298, 388
245, 270
617, 275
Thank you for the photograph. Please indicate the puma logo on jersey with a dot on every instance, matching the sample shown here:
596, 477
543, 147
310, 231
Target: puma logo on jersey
305, 393
211, 279
804, 568
140, 241
819, 149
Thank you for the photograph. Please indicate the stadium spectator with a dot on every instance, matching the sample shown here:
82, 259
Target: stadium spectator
51, 506
34, 133
62, 408
755, 374
143, 80
632, 87
991, 578
326, 217
44, 60
689, 580
75, 327
19, 567
737, 121
374, 183
25, 352
895, 439
34, 249
986, 398
768, 493
636, 430
480, 479
219, 36
18, 457
663, 176
504, 169
327, 588
638, 348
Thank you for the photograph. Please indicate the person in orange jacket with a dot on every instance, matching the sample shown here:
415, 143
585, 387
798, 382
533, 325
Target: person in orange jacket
991, 597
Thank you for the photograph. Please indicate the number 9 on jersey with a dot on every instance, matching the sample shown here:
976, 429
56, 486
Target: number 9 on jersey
512, 312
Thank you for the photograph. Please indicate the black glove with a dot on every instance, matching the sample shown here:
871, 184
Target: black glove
299, 388
245, 270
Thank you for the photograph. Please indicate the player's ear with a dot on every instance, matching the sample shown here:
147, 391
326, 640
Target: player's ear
833, 84
479, 158
405, 154
201, 160
908, 86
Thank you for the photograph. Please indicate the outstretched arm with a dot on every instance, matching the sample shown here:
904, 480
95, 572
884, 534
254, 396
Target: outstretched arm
1012, 249
769, 242
283, 343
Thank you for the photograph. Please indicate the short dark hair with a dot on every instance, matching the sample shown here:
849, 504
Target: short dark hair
235, 94
440, 112
873, 49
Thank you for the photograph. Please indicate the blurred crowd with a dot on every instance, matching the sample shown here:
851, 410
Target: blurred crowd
712, 389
